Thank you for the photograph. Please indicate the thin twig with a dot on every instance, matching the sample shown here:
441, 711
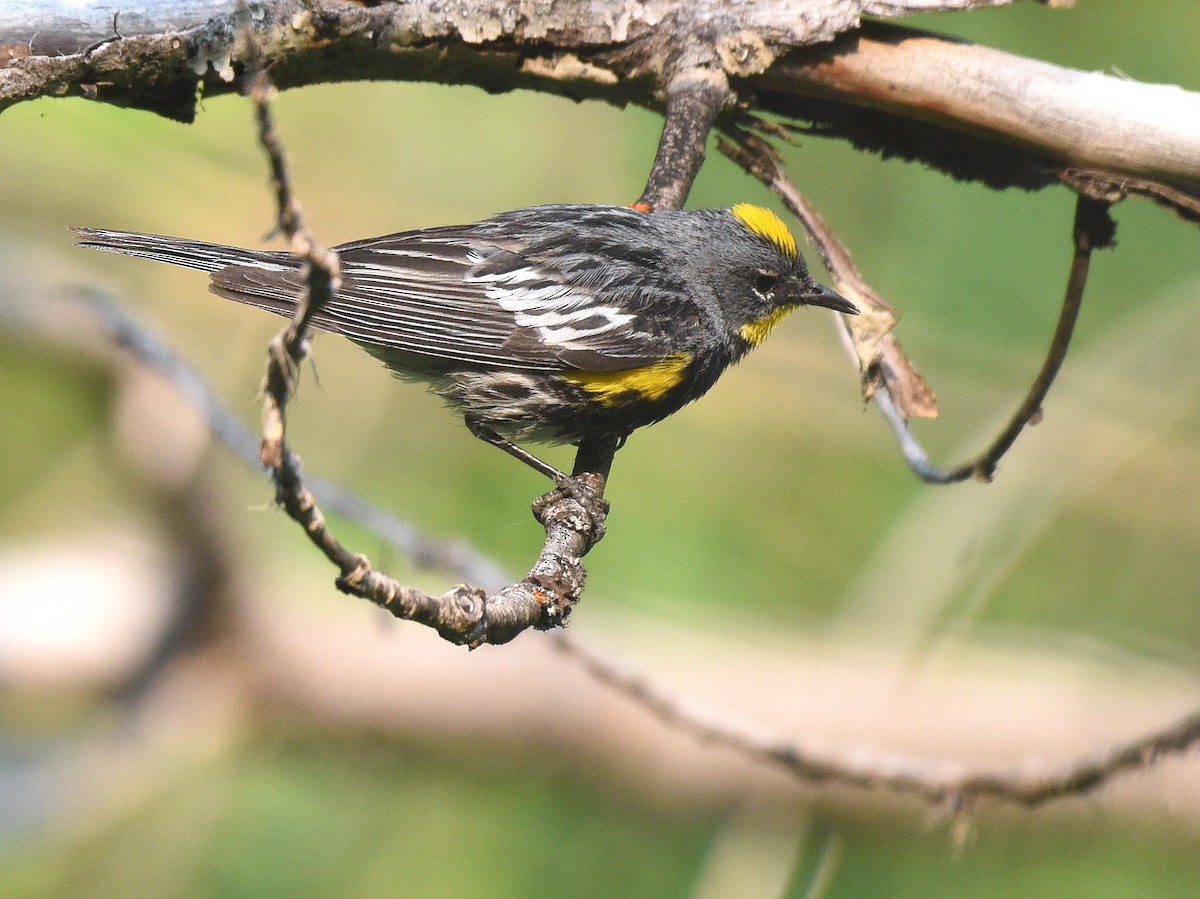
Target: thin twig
1093, 228
321, 279
945, 784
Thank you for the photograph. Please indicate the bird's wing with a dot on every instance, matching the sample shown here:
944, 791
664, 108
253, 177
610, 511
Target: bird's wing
447, 294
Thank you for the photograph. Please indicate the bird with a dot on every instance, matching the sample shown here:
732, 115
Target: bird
556, 324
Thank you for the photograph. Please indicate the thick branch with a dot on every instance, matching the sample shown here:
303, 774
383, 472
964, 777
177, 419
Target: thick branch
981, 113
973, 111
695, 97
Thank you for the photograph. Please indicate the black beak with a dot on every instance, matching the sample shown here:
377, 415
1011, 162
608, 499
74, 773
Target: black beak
820, 295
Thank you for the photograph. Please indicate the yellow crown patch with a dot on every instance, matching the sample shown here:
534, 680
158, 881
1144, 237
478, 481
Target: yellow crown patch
766, 225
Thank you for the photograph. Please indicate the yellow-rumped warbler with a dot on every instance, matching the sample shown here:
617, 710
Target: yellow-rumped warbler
554, 323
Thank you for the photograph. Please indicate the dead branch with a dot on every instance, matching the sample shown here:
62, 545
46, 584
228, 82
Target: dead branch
1037, 121
974, 111
694, 100
887, 374
1093, 229
951, 786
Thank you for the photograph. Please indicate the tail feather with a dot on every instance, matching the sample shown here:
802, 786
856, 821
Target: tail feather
193, 254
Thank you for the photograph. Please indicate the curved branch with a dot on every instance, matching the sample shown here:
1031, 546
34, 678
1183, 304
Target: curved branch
1093, 229
573, 516
150, 350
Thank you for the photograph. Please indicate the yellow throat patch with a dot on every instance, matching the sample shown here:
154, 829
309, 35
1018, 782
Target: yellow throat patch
766, 225
756, 332
650, 382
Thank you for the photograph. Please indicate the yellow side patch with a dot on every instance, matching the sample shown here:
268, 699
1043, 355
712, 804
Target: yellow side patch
756, 332
767, 225
650, 382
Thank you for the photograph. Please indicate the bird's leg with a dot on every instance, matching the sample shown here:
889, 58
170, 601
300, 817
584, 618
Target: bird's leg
586, 482
595, 455
489, 436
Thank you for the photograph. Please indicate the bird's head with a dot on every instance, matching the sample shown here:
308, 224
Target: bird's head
759, 273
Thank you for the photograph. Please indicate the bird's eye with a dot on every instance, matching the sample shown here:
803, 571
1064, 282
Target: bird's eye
765, 283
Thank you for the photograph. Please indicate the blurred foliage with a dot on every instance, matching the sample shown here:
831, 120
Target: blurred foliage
777, 495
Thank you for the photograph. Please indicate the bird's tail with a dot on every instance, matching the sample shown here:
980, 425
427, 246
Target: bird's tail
194, 254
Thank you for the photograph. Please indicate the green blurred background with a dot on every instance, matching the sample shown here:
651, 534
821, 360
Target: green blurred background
776, 516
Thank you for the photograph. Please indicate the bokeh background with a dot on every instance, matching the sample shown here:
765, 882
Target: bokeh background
769, 556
